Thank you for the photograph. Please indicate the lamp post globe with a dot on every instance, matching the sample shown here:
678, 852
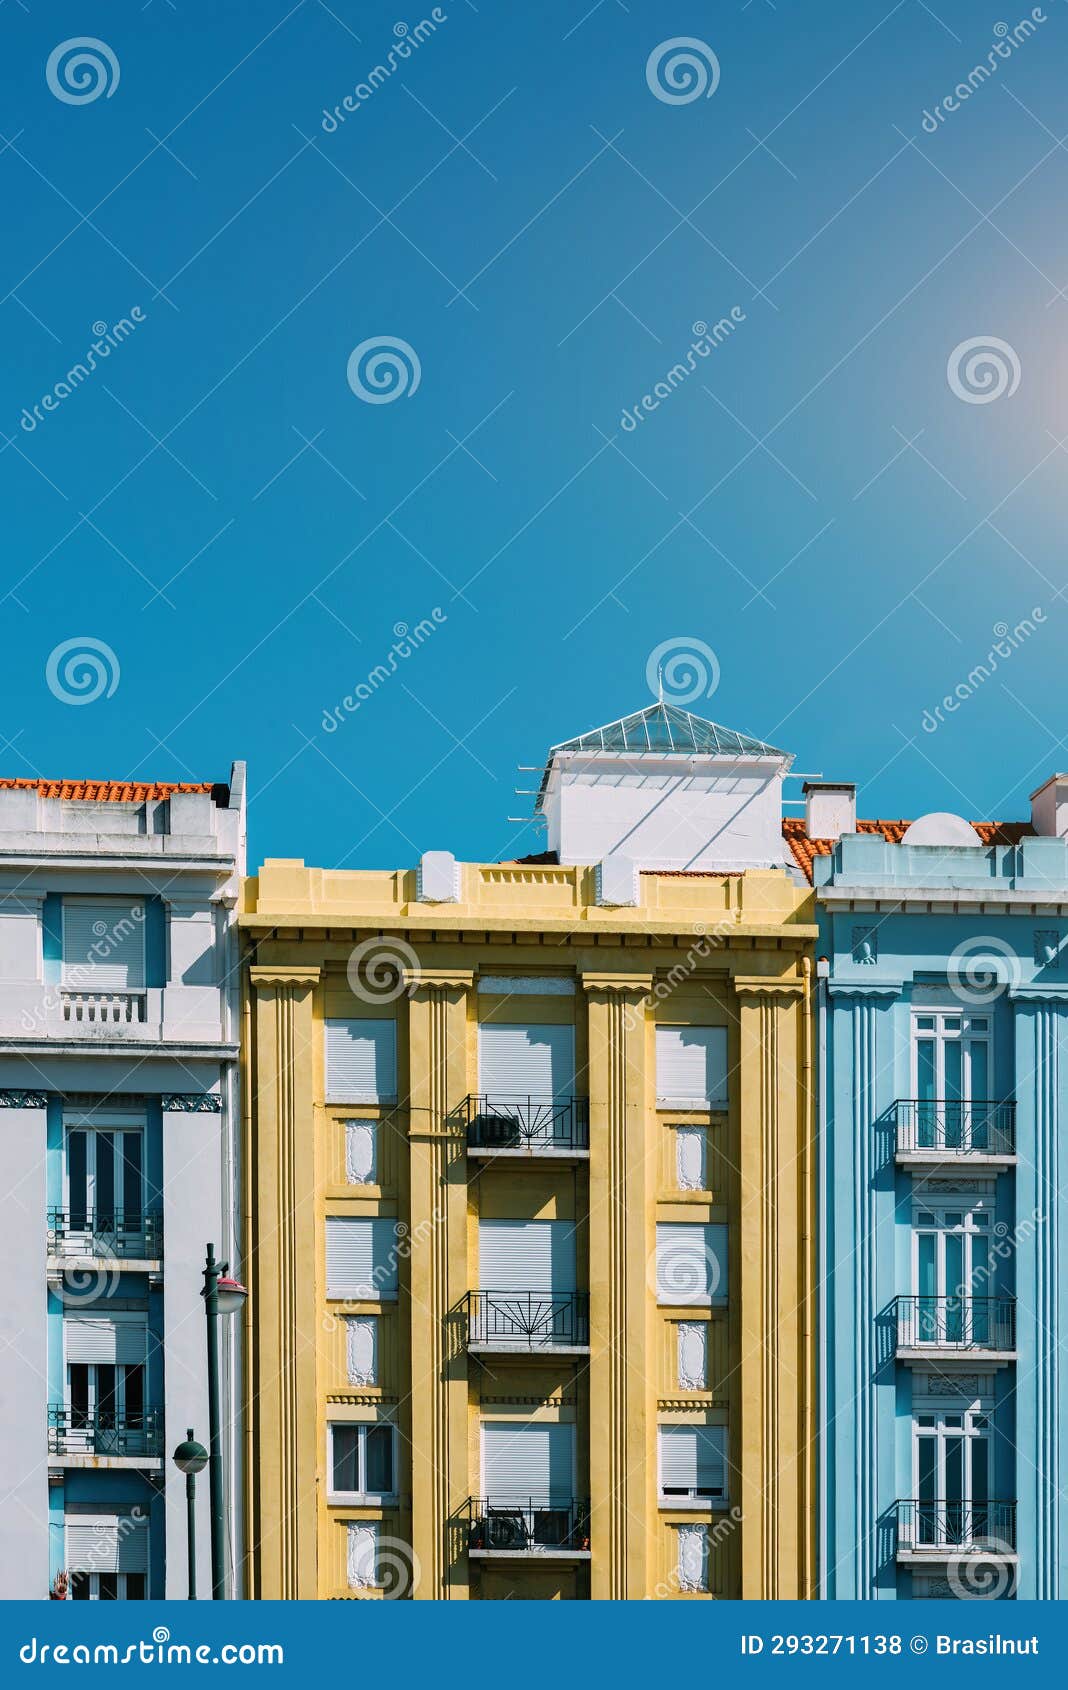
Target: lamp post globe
191, 1458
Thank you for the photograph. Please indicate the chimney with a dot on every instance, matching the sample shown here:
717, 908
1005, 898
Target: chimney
830, 808
1049, 808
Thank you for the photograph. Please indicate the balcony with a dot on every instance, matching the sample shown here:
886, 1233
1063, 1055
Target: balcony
506, 1528
526, 1127
528, 1322
103, 1437
110, 1010
954, 1134
933, 1531
956, 1329
124, 1238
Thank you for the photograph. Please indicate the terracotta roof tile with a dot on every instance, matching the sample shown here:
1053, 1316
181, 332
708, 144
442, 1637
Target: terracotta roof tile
805, 849
111, 791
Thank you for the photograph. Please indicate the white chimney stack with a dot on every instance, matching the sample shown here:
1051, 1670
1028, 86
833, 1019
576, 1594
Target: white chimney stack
1049, 808
830, 808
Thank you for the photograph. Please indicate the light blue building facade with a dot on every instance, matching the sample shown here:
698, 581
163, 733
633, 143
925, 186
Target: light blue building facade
943, 1058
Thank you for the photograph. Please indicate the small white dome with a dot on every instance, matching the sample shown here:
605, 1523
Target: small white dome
941, 827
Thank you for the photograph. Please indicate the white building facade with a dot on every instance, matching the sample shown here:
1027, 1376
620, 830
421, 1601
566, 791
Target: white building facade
119, 1160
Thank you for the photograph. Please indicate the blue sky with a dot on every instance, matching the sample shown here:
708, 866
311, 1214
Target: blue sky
815, 503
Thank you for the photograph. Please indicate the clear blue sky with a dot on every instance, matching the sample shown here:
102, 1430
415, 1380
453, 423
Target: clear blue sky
815, 503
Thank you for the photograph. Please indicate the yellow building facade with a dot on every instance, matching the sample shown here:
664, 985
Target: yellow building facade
530, 1214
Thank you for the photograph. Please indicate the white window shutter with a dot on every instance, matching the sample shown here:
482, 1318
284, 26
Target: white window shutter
107, 1543
691, 1066
527, 1460
526, 1256
693, 1458
693, 1557
361, 1152
362, 1554
691, 1262
693, 1355
520, 1060
361, 1346
106, 1339
690, 1158
361, 1061
361, 1258
103, 946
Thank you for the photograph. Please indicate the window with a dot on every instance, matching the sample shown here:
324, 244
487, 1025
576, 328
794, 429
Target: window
951, 1054
690, 1158
361, 1061
361, 1152
104, 1177
517, 1061
518, 1256
951, 1272
693, 1464
528, 1462
361, 1349
362, 1461
692, 1561
103, 945
952, 1462
105, 1370
691, 1067
361, 1258
693, 1355
107, 1557
691, 1262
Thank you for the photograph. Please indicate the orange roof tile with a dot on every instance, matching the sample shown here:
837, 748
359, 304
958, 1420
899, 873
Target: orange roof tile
109, 791
805, 849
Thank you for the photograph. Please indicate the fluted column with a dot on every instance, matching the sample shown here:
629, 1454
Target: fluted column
773, 1290
439, 1278
284, 1310
622, 1196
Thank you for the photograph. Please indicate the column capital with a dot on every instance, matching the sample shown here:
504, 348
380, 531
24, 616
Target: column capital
766, 984
284, 975
612, 981
419, 979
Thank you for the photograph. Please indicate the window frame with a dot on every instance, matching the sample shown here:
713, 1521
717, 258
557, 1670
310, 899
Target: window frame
362, 1497
693, 1498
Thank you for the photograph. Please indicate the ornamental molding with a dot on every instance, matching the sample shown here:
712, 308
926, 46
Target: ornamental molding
262, 975
697, 1401
426, 979
14, 1098
756, 985
362, 1399
865, 989
556, 1399
1049, 993
615, 984
191, 1102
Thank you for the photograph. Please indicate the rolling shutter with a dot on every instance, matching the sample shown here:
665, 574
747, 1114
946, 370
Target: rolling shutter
691, 1262
532, 1460
691, 1065
361, 1261
107, 1543
693, 1459
361, 1061
526, 1060
103, 945
526, 1255
105, 1339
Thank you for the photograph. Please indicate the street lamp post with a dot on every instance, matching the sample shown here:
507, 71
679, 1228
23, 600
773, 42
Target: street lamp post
222, 1295
191, 1458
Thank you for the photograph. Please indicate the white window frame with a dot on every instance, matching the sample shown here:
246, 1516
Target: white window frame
944, 1033
363, 1497
968, 1412
693, 1499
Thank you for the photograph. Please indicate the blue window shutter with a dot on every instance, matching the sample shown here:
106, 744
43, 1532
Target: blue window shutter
155, 942
52, 921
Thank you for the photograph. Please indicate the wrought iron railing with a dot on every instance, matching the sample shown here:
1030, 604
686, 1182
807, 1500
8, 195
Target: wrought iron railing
112, 1009
959, 1323
528, 1320
950, 1525
496, 1122
105, 1233
103, 1431
975, 1128
528, 1525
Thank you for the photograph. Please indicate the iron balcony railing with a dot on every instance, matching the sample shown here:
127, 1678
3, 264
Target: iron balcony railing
528, 1320
526, 1123
956, 1323
975, 1128
528, 1525
950, 1525
105, 1233
103, 1431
